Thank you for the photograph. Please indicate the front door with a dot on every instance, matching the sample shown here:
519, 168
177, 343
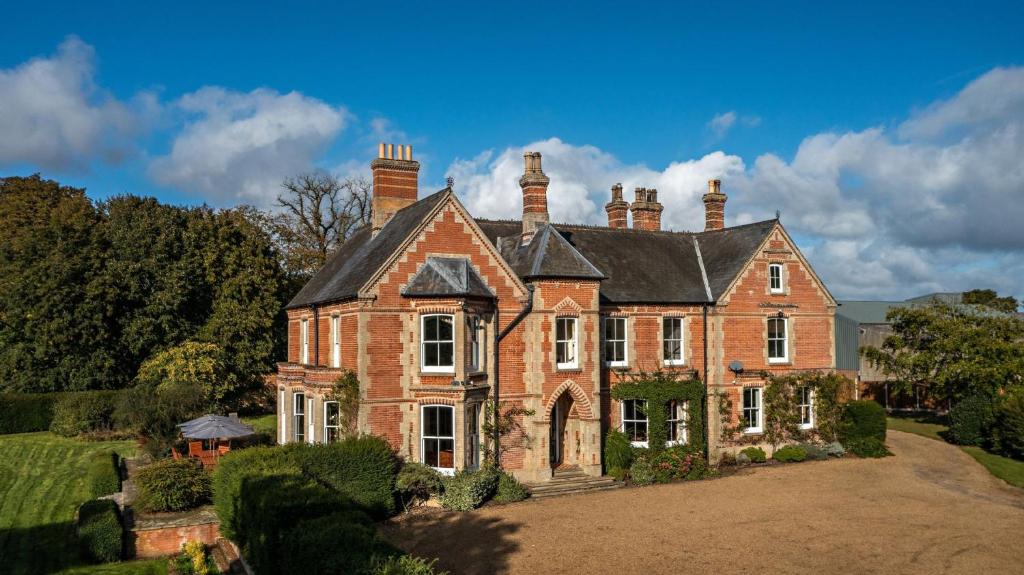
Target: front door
555, 437
473, 436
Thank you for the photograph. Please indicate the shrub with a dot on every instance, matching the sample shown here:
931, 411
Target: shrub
970, 420
618, 453
103, 474
417, 482
405, 565
234, 469
814, 452
193, 559
867, 447
509, 489
363, 468
679, 462
171, 485
642, 471
26, 412
335, 543
78, 413
1008, 428
860, 420
790, 454
468, 489
755, 454
100, 533
835, 449
154, 413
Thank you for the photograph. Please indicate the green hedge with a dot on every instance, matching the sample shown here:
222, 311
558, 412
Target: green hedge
1008, 427
790, 454
509, 489
85, 412
618, 453
970, 420
170, 485
100, 534
363, 468
417, 482
103, 474
755, 454
335, 543
26, 412
861, 420
468, 489
239, 466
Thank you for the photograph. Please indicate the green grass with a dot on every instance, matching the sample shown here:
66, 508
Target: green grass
1009, 470
263, 424
41, 485
151, 567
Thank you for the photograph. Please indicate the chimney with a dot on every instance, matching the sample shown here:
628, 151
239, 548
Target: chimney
535, 193
714, 206
646, 210
617, 209
395, 182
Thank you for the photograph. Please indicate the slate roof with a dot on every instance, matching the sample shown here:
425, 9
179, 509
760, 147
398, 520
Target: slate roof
633, 266
447, 277
866, 311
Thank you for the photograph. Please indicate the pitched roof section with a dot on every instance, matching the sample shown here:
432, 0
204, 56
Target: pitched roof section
547, 255
727, 251
454, 277
362, 255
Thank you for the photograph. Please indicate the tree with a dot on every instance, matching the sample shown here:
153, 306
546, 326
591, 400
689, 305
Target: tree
319, 212
954, 350
198, 365
990, 299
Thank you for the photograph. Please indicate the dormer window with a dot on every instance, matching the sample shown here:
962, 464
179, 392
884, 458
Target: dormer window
775, 278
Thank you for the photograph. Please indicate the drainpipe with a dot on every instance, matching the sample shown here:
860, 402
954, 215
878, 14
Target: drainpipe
705, 422
527, 308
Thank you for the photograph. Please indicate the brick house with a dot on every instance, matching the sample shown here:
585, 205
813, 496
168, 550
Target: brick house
437, 311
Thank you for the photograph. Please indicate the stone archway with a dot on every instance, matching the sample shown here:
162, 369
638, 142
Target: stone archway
569, 417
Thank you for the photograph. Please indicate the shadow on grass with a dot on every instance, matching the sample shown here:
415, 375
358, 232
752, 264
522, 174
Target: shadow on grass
463, 543
38, 549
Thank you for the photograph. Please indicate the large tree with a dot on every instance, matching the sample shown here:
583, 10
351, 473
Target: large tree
990, 299
956, 351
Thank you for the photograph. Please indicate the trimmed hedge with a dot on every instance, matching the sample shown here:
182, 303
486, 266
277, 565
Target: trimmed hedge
336, 543
468, 489
417, 482
363, 468
237, 467
170, 485
861, 420
100, 533
1008, 428
26, 412
755, 454
78, 413
867, 447
103, 474
509, 489
790, 454
970, 420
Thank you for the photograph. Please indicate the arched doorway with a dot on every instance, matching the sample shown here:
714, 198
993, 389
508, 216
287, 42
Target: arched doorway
564, 432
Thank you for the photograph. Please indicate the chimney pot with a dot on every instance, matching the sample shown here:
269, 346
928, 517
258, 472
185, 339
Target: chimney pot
714, 206
395, 182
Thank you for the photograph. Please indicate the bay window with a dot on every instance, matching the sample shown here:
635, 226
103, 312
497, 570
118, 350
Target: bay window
437, 348
299, 416
332, 421
437, 437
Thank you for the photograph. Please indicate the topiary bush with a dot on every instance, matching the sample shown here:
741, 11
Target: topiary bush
173, 485
100, 534
234, 469
103, 474
417, 482
26, 412
363, 468
790, 454
405, 565
970, 420
509, 489
618, 453
755, 454
1008, 427
860, 420
642, 471
468, 489
867, 447
78, 413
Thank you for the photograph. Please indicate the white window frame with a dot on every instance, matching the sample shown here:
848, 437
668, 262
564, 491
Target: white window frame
682, 421
304, 341
311, 421
298, 428
805, 408
282, 433
571, 344
625, 342
757, 408
335, 341
772, 277
424, 343
327, 422
665, 340
424, 438
785, 340
646, 421
477, 360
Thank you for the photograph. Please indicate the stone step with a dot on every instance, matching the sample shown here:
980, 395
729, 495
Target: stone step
573, 490
564, 486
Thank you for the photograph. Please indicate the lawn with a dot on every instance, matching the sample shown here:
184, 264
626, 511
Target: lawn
1009, 470
41, 485
151, 567
263, 424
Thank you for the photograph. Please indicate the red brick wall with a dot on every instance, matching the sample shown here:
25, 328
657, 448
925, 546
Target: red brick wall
168, 540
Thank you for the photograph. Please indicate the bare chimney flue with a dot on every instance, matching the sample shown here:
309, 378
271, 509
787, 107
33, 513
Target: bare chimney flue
395, 182
535, 193
714, 206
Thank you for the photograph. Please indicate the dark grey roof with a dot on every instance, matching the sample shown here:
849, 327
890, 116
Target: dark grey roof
548, 254
362, 255
447, 277
866, 311
653, 267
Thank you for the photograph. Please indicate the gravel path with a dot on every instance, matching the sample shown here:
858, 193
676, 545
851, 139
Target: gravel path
931, 509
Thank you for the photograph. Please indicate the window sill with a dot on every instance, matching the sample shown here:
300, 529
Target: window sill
779, 362
805, 426
449, 471
437, 371
675, 362
616, 365
575, 368
753, 431
642, 444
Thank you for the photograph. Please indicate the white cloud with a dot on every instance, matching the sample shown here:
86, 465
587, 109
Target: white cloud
937, 204
722, 123
54, 116
238, 147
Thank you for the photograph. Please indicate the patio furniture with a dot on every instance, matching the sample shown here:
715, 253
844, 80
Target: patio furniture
212, 428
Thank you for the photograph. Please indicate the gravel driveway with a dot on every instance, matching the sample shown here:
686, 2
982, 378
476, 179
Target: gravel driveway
930, 509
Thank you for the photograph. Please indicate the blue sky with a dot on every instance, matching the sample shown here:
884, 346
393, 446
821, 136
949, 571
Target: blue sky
866, 125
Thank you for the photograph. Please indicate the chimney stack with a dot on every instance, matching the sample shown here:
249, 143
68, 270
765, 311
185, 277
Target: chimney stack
617, 209
535, 193
714, 206
646, 210
395, 182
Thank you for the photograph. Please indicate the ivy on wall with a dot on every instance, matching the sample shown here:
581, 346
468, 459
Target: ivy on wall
658, 388
346, 392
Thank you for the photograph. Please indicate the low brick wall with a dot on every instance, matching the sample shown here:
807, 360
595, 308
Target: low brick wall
164, 534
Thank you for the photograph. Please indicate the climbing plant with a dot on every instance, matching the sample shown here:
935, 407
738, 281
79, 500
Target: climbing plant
658, 388
345, 391
781, 405
507, 418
